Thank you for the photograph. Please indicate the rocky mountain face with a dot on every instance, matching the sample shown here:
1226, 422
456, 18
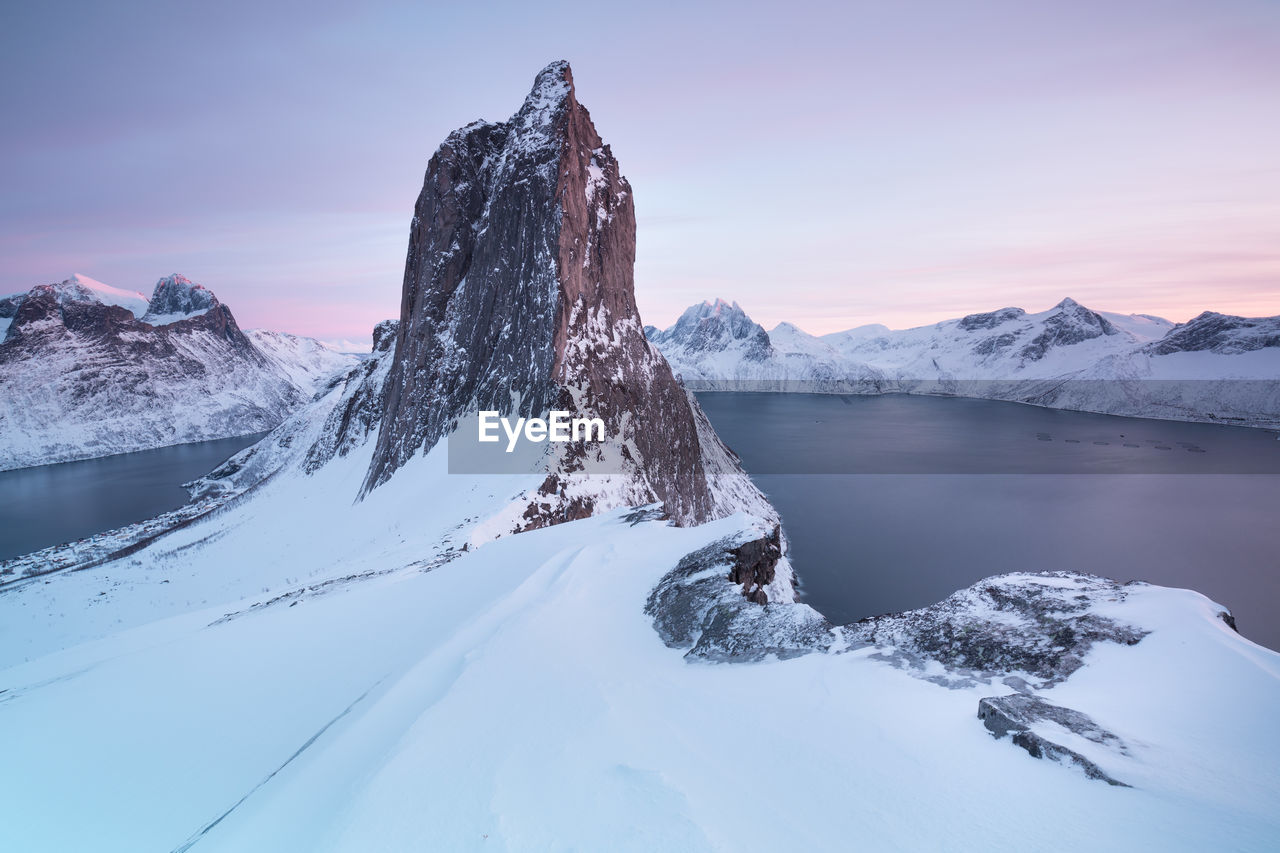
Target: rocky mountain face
87, 370
176, 297
519, 297
1221, 334
1213, 368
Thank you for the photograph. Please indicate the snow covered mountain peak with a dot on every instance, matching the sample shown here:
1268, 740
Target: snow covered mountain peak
1066, 324
177, 297
717, 327
89, 370
81, 288
552, 88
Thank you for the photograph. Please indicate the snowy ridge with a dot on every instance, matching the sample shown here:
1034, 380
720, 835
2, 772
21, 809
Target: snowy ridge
307, 362
1212, 368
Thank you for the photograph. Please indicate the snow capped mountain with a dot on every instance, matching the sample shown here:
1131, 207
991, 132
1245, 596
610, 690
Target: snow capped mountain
85, 372
344, 645
78, 288
718, 327
1066, 357
81, 288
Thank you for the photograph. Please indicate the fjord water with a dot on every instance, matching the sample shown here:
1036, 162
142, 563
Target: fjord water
51, 504
893, 502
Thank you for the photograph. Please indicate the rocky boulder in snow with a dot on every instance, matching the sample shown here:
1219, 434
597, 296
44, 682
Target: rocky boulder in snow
755, 565
1039, 625
1019, 714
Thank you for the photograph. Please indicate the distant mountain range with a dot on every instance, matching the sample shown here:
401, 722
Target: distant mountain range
1215, 367
88, 370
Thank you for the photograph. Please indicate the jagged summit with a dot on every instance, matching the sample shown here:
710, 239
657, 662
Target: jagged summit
518, 297
717, 326
176, 297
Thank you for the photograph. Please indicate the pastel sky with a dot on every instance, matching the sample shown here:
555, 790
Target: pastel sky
831, 164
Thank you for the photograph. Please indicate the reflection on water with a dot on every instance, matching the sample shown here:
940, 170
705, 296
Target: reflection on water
52, 504
868, 543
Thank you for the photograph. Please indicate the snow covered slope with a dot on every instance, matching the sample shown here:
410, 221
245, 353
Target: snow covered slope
308, 363
298, 672
86, 371
1213, 367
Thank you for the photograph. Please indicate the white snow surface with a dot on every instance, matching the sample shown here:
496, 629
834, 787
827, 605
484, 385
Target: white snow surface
307, 362
166, 319
301, 672
81, 287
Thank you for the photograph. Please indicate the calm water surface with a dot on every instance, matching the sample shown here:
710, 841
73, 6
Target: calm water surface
927, 495
52, 504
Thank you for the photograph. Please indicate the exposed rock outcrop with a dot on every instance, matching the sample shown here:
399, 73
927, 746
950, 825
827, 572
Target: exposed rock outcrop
991, 319
1018, 714
177, 297
694, 608
755, 564
1039, 625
